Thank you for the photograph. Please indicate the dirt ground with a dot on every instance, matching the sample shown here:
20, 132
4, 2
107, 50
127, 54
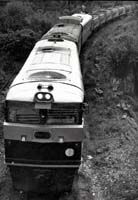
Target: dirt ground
109, 169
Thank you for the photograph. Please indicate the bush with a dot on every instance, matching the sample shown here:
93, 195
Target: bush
18, 15
16, 46
14, 15
38, 22
123, 57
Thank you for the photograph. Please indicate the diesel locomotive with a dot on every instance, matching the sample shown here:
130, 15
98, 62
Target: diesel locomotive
44, 107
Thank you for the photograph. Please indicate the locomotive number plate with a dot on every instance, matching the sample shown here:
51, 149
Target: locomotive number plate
43, 106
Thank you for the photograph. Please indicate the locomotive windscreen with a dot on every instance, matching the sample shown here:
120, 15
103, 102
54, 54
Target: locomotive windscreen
47, 75
60, 113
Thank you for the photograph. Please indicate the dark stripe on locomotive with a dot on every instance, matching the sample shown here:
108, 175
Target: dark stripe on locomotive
41, 153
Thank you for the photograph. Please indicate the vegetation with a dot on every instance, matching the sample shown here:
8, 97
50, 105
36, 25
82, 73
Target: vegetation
109, 61
21, 25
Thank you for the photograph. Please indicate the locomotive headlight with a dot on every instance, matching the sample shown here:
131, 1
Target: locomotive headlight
48, 96
61, 139
69, 152
39, 96
43, 97
23, 138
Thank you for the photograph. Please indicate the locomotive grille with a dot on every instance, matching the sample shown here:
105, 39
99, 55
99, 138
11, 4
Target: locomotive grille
25, 113
27, 118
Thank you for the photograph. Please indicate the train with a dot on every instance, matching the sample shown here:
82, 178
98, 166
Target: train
45, 105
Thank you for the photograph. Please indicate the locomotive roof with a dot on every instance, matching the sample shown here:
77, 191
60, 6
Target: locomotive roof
46, 54
85, 18
44, 67
69, 27
50, 59
64, 30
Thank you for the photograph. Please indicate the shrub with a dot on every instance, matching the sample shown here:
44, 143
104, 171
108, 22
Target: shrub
13, 16
38, 22
16, 46
123, 57
18, 15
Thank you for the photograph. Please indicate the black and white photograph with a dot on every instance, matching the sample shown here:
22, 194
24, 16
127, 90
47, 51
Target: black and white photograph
68, 100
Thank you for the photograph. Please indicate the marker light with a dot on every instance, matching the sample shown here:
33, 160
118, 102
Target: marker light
39, 87
61, 139
69, 152
50, 87
23, 138
40, 96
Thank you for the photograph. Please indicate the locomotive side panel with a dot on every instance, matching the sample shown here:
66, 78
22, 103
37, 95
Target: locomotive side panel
86, 23
102, 18
128, 8
115, 13
95, 21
